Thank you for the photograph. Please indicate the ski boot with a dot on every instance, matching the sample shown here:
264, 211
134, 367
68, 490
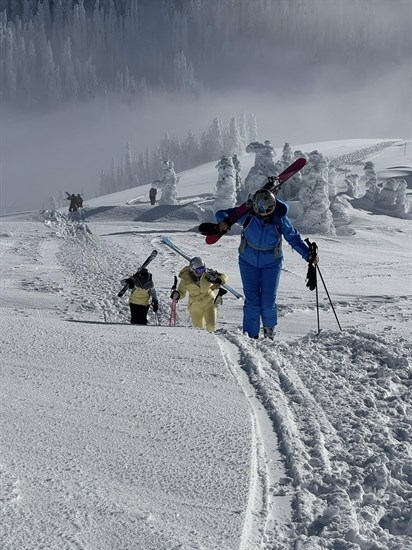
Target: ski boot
269, 333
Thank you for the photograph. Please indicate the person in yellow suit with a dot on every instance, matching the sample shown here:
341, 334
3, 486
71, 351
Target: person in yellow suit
200, 285
143, 294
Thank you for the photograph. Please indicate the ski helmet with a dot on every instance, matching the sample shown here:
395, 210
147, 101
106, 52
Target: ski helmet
263, 202
197, 266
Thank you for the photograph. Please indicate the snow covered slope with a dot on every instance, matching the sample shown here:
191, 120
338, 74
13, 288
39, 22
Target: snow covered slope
158, 437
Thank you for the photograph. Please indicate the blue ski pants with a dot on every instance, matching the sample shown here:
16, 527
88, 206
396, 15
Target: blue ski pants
260, 285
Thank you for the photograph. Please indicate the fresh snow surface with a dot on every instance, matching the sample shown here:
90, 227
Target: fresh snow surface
156, 438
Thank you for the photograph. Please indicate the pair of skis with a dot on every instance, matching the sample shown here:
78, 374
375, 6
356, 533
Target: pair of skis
212, 231
147, 261
165, 240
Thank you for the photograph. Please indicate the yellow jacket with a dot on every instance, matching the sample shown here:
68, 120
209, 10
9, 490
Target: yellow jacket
199, 288
142, 296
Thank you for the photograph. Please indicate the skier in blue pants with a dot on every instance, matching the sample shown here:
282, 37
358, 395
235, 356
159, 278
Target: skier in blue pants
261, 257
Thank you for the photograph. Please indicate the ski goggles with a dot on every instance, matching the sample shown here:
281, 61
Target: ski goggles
200, 270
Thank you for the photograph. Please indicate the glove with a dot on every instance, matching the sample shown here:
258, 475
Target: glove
213, 277
225, 225
155, 305
175, 295
311, 277
219, 298
130, 282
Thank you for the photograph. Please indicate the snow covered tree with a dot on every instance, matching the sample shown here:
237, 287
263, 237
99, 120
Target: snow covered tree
332, 181
314, 196
238, 169
264, 166
340, 208
287, 155
371, 182
352, 182
403, 205
168, 182
252, 129
386, 198
232, 138
290, 190
226, 185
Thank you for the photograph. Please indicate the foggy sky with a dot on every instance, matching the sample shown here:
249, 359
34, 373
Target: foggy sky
42, 154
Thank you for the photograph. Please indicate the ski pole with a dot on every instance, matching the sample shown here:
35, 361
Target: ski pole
312, 283
317, 302
173, 308
330, 301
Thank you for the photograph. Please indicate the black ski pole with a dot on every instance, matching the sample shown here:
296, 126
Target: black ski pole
173, 307
311, 276
317, 302
330, 301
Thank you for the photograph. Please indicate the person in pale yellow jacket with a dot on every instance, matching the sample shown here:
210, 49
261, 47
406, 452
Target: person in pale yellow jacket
200, 284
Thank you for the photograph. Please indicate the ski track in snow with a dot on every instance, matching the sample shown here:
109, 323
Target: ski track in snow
325, 497
335, 404
330, 504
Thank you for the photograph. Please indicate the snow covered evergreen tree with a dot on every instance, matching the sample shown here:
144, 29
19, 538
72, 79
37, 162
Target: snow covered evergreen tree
264, 166
233, 142
238, 169
314, 196
371, 183
340, 208
332, 181
386, 198
226, 185
403, 206
352, 183
287, 156
290, 191
168, 182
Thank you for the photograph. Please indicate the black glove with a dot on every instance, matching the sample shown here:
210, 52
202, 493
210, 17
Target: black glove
311, 277
219, 298
175, 295
213, 277
155, 305
130, 282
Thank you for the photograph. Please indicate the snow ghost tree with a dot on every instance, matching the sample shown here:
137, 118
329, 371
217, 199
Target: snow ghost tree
340, 207
386, 198
264, 166
371, 182
332, 182
168, 183
286, 156
403, 206
238, 168
352, 183
226, 185
314, 196
290, 190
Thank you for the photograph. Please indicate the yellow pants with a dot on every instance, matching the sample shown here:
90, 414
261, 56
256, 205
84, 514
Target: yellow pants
201, 316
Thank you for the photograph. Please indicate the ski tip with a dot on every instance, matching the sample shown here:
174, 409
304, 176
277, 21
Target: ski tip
212, 239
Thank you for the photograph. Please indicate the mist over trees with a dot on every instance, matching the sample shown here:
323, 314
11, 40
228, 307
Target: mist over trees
217, 141
56, 51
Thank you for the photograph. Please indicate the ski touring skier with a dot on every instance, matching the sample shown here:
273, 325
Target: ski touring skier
143, 295
200, 284
261, 257
73, 206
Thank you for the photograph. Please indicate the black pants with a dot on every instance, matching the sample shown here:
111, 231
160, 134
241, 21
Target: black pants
139, 314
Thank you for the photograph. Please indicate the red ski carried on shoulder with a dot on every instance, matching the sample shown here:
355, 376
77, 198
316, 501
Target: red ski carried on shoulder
211, 230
